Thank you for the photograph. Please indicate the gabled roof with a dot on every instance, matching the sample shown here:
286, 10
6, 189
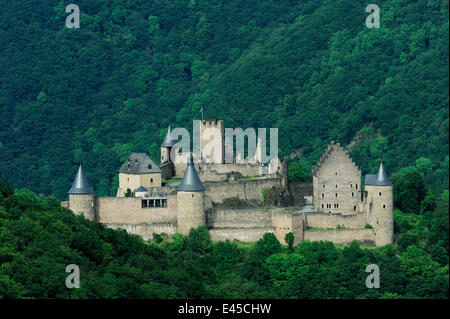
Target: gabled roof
141, 189
190, 182
80, 184
168, 141
332, 147
379, 179
139, 163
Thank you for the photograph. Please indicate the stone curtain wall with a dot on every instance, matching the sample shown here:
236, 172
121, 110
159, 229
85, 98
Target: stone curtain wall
240, 234
127, 210
146, 231
245, 189
341, 236
327, 220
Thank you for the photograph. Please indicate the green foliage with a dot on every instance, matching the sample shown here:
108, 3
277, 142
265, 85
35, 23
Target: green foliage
297, 173
39, 240
368, 226
309, 68
409, 190
289, 239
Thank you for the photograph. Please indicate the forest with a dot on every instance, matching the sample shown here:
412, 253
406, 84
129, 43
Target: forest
39, 239
310, 68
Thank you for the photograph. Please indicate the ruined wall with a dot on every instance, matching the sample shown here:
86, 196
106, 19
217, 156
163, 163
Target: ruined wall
127, 210
244, 189
299, 190
341, 236
167, 170
327, 220
287, 223
239, 218
216, 171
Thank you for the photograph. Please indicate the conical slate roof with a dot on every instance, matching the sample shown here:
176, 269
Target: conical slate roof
80, 184
190, 182
380, 179
168, 141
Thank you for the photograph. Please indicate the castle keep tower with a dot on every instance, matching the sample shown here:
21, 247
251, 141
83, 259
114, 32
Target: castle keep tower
212, 140
190, 200
379, 201
81, 196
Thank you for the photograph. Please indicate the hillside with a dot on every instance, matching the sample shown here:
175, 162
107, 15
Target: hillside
311, 68
38, 239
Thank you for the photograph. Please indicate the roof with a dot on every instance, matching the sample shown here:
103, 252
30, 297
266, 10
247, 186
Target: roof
190, 182
379, 179
80, 184
139, 163
168, 141
141, 189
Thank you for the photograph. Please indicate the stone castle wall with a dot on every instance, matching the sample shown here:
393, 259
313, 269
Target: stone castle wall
327, 220
146, 231
127, 210
244, 189
341, 236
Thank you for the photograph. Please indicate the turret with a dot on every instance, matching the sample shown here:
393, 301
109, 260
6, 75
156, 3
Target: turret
166, 146
379, 201
190, 200
81, 196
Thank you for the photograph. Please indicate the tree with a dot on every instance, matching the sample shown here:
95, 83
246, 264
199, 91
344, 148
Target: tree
289, 239
409, 190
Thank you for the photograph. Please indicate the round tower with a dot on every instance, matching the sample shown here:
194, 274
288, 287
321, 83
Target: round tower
81, 196
190, 200
380, 206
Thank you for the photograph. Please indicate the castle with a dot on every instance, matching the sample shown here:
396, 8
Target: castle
190, 191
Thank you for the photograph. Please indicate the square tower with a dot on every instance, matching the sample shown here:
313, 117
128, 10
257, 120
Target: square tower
212, 137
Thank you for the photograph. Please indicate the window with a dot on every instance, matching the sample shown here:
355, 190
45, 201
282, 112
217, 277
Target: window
151, 180
144, 203
323, 186
356, 186
151, 203
384, 206
323, 195
336, 195
379, 193
336, 185
351, 185
157, 203
354, 208
335, 173
353, 194
322, 205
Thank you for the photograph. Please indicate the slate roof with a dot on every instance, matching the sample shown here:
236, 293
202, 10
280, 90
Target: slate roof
379, 179
168, 141
190, 182
141, 189
80, 184
139, 163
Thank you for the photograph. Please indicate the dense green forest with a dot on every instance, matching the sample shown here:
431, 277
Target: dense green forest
39, 239
311, 68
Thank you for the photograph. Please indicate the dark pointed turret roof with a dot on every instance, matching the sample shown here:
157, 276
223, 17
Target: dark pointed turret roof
190, 182
80, 184
379, 179
168, 141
